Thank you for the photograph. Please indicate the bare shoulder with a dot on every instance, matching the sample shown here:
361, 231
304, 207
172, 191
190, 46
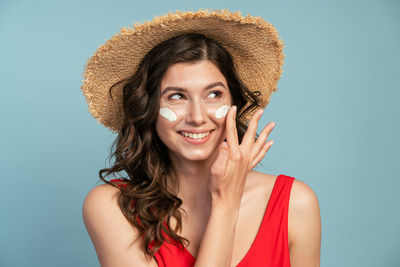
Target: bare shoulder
101, 193
116, 241
256, 179
303, 199
304, 225
262, 174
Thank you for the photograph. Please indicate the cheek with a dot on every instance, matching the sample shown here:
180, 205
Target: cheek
161, 126
165, 122
168, 114
218, 112
222, 111
172, 114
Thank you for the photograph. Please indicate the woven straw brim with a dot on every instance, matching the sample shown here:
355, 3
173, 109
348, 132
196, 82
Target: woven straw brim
254, 44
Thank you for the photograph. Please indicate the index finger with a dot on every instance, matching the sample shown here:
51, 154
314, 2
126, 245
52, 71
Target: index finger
231, 131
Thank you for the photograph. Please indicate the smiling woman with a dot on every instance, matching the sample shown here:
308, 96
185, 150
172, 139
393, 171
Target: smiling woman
184, 93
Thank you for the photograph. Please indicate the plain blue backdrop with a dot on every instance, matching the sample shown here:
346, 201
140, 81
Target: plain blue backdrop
336, 109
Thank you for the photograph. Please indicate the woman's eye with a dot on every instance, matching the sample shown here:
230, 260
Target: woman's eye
214, 94
176, 96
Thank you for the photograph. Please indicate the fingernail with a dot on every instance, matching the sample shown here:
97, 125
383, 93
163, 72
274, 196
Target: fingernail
273, 124
234, 108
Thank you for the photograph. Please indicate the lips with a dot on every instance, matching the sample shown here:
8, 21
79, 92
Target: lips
195, 135
196, 138
196, 130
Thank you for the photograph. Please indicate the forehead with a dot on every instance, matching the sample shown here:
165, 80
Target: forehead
192, 75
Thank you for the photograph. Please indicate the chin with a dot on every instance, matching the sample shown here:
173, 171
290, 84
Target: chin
197, 156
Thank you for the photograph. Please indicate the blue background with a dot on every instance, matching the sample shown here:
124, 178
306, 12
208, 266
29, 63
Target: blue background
337, 113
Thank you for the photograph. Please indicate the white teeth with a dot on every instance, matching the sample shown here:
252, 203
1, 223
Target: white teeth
194, 135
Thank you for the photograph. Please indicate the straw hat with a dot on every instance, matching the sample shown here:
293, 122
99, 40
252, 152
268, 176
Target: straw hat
253, 43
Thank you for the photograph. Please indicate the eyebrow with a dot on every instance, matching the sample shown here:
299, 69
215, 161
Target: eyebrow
179, 89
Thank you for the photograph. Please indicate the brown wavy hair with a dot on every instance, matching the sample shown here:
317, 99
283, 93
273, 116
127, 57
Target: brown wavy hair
141, 158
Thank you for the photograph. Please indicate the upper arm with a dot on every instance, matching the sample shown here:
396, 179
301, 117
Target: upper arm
304, 224
116, 241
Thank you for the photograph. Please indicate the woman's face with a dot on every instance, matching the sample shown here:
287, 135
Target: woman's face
194, 101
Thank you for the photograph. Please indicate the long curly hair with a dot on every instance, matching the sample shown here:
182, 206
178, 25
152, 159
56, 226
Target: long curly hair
141, 159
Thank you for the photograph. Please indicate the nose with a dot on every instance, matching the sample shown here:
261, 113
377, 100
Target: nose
196, 113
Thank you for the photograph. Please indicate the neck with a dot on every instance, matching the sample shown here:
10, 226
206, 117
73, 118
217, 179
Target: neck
192, 177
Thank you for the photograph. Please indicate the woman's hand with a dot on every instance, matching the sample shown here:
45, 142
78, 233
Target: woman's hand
229, 171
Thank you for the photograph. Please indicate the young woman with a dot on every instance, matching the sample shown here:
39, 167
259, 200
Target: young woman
186, 111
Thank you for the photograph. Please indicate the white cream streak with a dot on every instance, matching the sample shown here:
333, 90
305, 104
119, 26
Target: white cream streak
221, 112
168, 114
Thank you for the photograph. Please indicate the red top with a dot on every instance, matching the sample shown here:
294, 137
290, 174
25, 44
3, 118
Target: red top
269, 248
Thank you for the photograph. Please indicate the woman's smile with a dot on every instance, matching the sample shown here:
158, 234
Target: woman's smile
196, 138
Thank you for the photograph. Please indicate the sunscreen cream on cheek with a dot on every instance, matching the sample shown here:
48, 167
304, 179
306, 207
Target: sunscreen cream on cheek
168, 114
221, 111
